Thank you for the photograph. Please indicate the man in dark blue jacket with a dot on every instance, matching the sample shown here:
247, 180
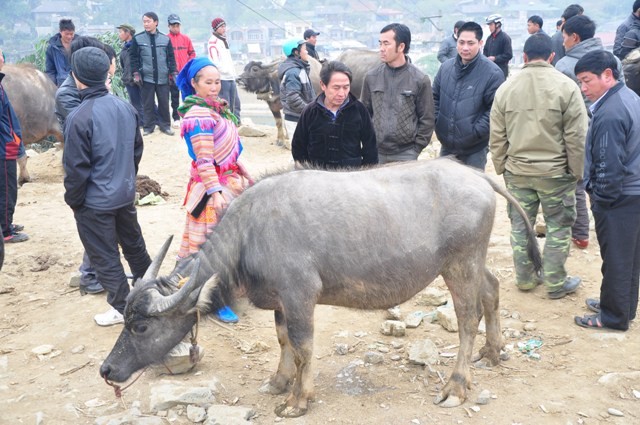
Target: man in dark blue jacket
101, 162
59, 51
612, 179
335, 131
463, 92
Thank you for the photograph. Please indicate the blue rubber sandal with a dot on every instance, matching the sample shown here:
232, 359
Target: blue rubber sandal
226, 315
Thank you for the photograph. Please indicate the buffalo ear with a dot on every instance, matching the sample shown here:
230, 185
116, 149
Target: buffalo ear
160, 304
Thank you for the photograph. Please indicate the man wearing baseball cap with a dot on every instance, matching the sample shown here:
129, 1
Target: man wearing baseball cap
311, 37
126, 33
220, 55
183, 51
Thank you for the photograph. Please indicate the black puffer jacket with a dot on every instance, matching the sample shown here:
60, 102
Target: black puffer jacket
296, 90
463, 96
344, 140
499, 45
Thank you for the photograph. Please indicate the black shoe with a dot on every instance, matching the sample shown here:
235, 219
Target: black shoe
92, 288
168, 131
147, 132
569, 286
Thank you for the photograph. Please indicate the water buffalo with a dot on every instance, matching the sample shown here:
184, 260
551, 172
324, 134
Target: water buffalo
263, 80
367, 239
32, 96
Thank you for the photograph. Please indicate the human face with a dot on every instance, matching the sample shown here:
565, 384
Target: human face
123, 34
304, 55
568, 41
149, 24
313, 39
492, 27
468, 46
174, 28
337, 91
391, 53
532, 28
208, 84
222, 30
594, 86
67, 36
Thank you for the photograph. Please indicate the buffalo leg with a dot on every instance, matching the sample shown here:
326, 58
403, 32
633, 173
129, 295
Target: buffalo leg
299, 320
23, 175
468, 306
280, 381
490, 301
275, 108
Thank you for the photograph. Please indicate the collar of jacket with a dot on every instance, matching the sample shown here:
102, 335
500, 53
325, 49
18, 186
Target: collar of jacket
223, 38
347, 102
401, 67
462, 68
95, 91
537, 63
1, 76
613, 90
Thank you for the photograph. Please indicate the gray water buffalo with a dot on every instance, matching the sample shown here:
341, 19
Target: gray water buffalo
262, 79
32, 96
367, 239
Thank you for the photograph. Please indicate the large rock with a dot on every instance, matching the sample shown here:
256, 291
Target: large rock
167, 395
446, 316
393, 328
432, 296
220, 414
132, 416
423, 352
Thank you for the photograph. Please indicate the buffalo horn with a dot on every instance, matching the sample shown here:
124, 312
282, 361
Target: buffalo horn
164, 304
154, 267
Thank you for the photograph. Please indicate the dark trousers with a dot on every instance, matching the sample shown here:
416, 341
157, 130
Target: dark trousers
229, 92
175, 101
135, 98
100, 233
580, 229
618, 231
8, 193
150, 92
477, 160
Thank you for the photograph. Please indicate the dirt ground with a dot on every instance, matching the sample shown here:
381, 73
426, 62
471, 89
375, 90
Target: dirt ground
38, 307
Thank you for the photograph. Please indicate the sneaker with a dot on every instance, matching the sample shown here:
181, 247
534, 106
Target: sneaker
147, 132
92, 288
176, 124
109, 318
226, 315
167, 131
569, 286
16, 237
580, 243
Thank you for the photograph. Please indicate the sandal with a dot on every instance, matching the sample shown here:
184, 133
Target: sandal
589, 321
593, 304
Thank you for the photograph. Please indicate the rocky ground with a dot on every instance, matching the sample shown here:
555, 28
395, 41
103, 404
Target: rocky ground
50, 348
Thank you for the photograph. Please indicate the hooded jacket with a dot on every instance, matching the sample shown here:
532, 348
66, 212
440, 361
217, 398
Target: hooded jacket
296, 91
328, 140
463, 96
57, 61
101, 160
400, 101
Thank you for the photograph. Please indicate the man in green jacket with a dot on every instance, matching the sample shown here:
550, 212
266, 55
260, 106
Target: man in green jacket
538, 129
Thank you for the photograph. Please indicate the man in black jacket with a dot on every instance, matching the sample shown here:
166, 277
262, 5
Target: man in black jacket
335, 131
103, 148
154, 67
498, 46
126, 33
463, 92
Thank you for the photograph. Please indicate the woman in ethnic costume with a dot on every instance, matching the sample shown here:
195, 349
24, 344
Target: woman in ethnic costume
210, 131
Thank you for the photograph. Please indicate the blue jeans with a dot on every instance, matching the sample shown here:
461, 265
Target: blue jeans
476, 160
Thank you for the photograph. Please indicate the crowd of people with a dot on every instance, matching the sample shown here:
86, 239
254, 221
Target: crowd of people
564, 125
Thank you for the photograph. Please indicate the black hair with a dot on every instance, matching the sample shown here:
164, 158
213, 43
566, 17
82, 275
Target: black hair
597, 62
581, 25
559, 23
636, 5
535, 19
402, 34
151, 15
66, 25
538, 46
458, 24
572, 10
471, 27
86, 41
330, 68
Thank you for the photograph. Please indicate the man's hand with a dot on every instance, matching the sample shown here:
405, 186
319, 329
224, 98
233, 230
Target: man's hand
137, 80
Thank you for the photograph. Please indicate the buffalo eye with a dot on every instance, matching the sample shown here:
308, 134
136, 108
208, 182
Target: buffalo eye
139, 328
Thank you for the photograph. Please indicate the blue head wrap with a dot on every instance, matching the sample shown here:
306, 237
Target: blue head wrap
188, 72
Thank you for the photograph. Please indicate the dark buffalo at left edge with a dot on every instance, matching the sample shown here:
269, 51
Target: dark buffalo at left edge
366, 239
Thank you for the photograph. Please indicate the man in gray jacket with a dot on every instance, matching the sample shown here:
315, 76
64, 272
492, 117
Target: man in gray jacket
399, 98
154, 67
463, 92
103, 148
448, 47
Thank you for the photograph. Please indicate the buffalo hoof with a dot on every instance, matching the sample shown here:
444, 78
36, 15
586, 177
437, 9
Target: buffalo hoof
286, 411
447, 401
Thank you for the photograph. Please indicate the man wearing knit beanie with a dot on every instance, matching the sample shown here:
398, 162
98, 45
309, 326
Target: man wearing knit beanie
220, 55
103, 147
